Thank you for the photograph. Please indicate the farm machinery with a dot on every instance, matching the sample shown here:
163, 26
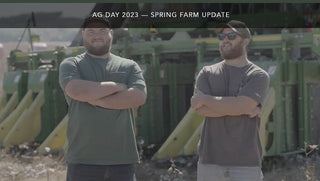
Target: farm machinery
32, 105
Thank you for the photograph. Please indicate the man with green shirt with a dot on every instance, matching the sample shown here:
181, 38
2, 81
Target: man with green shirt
230, 94
101, 89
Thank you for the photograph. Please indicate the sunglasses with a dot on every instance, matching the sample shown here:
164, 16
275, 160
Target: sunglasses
231, 36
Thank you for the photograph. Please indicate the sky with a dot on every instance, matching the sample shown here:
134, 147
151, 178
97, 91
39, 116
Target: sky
67, 9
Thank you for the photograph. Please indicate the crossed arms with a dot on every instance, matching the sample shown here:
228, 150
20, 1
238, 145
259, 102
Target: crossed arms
116, 96
211, 106
109, 95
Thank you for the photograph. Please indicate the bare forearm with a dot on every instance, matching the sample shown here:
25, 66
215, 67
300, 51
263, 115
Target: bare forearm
130, 98
232, 106
85, 91
205, 111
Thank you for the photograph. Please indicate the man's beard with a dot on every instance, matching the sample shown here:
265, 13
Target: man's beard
232, 53
98, 51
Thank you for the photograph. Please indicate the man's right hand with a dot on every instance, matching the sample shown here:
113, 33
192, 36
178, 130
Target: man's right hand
255, 112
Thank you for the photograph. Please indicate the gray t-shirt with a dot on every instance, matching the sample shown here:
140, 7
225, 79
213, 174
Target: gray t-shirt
232, 140
98, 135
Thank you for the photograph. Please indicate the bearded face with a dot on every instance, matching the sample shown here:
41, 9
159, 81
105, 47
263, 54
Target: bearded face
97, 41
231, 49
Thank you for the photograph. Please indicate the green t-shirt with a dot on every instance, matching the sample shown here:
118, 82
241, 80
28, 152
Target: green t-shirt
98, 135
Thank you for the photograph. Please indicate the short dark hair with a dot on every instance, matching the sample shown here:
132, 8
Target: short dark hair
238, 27
95, 22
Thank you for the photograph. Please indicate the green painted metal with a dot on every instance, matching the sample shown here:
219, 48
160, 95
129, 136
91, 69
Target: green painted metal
15, 81
285, 130
37, 79
314, 97
169, 68
311, 77
30, 60
54, 106
173, 96
169, 90
301, 104
200, 53
290, 118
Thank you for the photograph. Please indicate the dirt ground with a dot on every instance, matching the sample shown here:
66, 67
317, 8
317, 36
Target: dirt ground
28, 165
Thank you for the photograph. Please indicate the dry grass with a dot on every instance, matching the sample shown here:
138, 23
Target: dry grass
31, 167
47, 168
3, 68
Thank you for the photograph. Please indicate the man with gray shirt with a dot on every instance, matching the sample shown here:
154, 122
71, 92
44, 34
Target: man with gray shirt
230, 94
100, 89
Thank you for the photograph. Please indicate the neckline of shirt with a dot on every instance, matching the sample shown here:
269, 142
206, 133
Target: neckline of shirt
99, 59
235, 67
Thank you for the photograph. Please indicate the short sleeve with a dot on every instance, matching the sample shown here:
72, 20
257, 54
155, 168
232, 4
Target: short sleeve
256, 87
136, 78
68, 70
202, 82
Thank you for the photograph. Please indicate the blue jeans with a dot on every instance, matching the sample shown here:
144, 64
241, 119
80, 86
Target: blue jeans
208, 172
83, 172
